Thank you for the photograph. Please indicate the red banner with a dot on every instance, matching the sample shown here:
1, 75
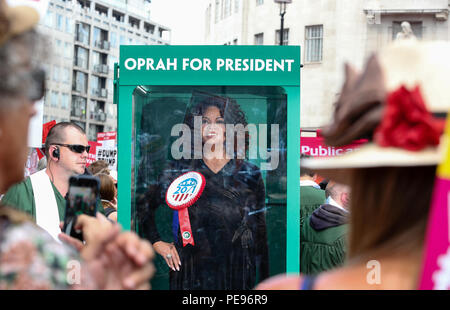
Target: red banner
109, 135
92, 156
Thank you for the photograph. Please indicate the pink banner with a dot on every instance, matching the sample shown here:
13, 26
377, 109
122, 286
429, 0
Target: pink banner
436, 266
315, 147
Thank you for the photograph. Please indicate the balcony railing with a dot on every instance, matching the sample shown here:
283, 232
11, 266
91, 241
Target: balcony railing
101, 68
102, 44
100, 92
98, 116
79, 87
80, 62
78, 112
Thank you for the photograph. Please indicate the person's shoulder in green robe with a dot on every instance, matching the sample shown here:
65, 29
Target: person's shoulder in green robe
310, 199
322, 250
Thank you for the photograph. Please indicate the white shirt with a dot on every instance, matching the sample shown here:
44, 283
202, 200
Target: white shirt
309, 183
331, 201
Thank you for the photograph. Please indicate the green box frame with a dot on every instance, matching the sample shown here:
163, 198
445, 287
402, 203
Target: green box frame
127, 78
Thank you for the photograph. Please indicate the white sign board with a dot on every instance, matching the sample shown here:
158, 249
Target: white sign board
108, 154
35, 126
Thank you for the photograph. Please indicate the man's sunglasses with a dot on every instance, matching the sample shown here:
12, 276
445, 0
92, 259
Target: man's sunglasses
77, 148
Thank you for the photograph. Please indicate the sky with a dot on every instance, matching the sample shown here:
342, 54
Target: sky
186, 18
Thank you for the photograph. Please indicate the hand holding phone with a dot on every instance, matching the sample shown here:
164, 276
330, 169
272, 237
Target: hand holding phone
82, 199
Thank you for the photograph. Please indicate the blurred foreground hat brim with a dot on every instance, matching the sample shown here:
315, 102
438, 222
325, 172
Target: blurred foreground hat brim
16, 20
339, 168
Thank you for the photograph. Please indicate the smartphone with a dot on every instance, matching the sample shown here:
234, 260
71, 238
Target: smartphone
82, 198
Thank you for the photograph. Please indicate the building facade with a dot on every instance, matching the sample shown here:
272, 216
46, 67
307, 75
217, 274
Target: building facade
330, 33
85, 37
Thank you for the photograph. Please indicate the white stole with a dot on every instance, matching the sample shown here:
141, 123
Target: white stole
47, 214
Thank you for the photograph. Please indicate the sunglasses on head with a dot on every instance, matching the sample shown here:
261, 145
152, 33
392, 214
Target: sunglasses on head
77, 148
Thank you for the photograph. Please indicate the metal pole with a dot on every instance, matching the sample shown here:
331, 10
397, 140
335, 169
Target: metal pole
282, 12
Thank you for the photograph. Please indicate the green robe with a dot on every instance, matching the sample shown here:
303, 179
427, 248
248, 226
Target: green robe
310, 199
322, 250
21, 197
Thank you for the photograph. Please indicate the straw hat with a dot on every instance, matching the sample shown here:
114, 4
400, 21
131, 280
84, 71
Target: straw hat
15, 20
399, 103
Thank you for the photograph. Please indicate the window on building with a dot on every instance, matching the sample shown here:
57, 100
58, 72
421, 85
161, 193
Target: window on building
149, 28
81, 57
314, 43
259, 2
285, 37
47, 98
111, 61
259, 39
93, 130
236, 6
47, 69
55, 74
65, 75
113, 39
79, 82
69, 25
78, 107
83, 33
95, 59
67, 50
96, 35
120, 17
49, 19
226, 8
110, 84
208, 20
217, 11
54, 99
111, 109
65, 101
58, 47
94, 85
59, 22
101, 10
122, 40
134, 22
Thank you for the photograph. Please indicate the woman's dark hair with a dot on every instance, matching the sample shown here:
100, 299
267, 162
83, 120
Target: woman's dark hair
389, 210
229, 110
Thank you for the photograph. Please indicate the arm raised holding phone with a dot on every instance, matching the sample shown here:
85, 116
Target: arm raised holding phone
116, 260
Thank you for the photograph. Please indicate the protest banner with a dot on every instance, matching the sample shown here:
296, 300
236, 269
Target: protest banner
316, 147
109, 155
436, 265
107, 139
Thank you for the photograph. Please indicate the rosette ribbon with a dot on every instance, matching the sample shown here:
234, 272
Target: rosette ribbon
182, 193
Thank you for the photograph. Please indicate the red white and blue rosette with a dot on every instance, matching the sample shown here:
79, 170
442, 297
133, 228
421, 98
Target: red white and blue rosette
182, 193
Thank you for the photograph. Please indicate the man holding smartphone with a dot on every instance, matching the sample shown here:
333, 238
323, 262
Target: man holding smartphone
42, 195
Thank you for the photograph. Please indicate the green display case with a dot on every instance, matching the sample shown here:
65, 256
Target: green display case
156, 87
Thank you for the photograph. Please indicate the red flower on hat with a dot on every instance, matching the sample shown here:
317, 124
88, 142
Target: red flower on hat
406, 123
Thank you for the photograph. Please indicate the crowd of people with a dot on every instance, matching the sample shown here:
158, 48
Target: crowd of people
34, 252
